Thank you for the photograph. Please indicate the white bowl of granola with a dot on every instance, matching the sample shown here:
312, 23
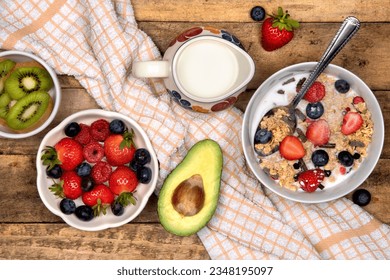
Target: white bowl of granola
337, 144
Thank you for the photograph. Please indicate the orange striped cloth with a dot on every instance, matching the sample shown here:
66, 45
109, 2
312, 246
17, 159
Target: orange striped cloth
96, 42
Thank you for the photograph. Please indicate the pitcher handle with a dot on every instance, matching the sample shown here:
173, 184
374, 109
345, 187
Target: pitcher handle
151, 69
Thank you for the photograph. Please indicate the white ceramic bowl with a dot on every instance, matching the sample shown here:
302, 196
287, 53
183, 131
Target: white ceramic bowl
143, 191
259, 105
55, 93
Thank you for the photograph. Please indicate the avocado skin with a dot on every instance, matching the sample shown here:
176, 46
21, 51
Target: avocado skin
204, 158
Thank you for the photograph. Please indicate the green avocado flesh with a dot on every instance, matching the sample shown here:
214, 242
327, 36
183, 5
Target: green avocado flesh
189, 195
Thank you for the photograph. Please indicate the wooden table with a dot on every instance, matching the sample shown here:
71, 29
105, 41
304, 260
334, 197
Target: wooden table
29, 231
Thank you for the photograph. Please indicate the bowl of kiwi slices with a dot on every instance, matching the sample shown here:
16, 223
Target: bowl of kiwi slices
30, 94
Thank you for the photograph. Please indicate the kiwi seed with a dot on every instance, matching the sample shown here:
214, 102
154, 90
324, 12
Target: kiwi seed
25, 80
28, 110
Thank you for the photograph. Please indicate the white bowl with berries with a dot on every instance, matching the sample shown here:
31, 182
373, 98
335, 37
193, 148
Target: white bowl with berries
96, 170
337, 143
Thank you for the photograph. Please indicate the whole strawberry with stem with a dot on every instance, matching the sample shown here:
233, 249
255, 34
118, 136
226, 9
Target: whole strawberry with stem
277, 30
99, 198
119, 149
67, 153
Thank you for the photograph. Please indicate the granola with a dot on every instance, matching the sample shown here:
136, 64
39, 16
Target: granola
336, 106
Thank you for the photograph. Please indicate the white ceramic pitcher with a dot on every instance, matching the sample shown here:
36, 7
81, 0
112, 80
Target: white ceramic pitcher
204, 69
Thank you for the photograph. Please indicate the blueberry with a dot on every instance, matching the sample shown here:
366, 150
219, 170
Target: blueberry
84, 169
142, 156
55, 172
117, 209
356, 155
345, 158
144, 175
67, 206
84, 213
257, 13
117, 126
72, 129
342, 86
263, 136
314, 110
361, 197
134, 165
320, 157
87, 184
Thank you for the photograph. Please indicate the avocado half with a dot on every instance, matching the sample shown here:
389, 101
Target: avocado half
189, 195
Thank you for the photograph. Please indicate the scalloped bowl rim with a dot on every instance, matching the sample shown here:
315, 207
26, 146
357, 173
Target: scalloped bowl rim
55, 93
252, 117
109, 220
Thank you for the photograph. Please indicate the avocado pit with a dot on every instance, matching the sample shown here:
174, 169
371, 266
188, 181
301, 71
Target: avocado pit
189, 196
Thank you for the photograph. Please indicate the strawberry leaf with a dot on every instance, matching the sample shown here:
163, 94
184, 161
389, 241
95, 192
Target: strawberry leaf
50, 158
57, 189
283, 21
127, 140
126, 198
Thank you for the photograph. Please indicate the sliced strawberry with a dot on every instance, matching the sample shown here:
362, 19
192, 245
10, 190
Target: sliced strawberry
357, 100
352, 121
310, 180
318, 132
291, 148
315, 93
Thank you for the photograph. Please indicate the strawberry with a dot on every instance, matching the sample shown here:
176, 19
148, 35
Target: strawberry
67, 153
352, 121
70, 153
277, 30
123, 181
357, 100
291, 148
315, 93
119, 148
69, 186
99, 198
318, 132
310, 180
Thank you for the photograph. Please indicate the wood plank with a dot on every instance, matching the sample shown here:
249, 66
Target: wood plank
365, 55
56, 241
238, 11
20, 202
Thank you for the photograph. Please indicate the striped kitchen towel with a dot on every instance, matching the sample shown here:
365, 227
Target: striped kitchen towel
97, 42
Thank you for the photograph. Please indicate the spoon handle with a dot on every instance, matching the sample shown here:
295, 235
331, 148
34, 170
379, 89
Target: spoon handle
349, 27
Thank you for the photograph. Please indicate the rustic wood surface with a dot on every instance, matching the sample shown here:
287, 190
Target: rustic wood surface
29, 231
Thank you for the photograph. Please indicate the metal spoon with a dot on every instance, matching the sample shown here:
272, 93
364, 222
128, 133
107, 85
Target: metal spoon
348, 28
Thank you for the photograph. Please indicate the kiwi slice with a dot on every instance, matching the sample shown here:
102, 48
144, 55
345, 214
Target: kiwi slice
4, 99
28, 110
25, 80
5, 68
